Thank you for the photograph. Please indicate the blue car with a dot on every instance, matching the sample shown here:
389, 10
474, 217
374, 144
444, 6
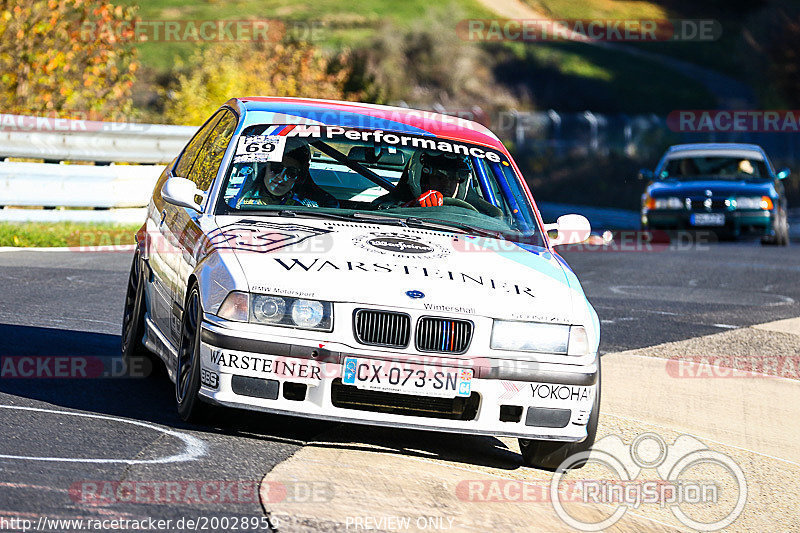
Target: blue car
731, 189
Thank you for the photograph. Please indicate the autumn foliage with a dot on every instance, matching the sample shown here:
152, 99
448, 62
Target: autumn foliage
259, 68
53, 63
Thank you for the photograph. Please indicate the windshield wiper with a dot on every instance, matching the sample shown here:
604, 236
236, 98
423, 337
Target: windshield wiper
414, 222
377, 219
309, 213
358, 217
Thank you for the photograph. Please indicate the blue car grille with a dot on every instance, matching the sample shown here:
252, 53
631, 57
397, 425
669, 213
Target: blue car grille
443, 335
698, 204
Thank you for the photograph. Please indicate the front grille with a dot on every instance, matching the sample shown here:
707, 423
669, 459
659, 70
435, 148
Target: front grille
350, 397
699, 204
382, 328
444, 335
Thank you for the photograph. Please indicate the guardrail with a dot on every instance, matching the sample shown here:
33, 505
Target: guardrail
90, 140
65, 180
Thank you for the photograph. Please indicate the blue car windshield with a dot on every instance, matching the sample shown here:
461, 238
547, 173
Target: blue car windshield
344, 171
715, 167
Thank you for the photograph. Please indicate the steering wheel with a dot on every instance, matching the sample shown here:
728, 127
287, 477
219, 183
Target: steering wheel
459, 203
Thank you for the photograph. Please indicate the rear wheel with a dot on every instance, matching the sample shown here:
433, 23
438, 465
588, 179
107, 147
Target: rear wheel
548, 455
138, 360
187, 373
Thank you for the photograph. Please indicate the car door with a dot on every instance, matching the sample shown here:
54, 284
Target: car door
186, 225
163, 249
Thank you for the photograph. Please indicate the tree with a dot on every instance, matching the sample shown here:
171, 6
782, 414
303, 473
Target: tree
222, 71
66, 58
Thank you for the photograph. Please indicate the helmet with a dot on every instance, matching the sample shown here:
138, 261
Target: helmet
447, 173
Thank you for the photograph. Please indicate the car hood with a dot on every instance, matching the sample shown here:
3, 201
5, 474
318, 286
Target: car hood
399, 267
717, 187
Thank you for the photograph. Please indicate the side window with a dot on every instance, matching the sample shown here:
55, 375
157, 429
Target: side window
209, 156
189, 153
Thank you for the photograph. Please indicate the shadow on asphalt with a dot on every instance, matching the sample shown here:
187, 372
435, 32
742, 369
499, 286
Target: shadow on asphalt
151, 399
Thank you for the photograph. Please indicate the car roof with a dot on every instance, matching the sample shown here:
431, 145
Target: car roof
749, 151
716, 147
279, 110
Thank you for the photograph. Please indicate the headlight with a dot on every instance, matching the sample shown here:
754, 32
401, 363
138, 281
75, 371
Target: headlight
269, 309
530, 337
291, 312
277, 311
754, 202
539, 338
307, 313
671, 202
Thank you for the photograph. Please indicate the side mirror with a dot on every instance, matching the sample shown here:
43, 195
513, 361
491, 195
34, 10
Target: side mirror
646, 174
783, 173
181, 192
572, 229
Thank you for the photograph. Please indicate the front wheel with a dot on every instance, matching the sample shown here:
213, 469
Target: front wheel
137, 358
187, 373
783, 240
548, 455
780, 230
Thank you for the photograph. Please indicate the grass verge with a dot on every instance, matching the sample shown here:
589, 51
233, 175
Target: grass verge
327, 23
36, 234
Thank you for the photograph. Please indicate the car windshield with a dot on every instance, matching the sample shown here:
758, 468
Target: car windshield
417, 180
716, 167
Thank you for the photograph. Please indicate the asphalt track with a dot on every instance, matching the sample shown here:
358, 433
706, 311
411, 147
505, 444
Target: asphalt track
126, 430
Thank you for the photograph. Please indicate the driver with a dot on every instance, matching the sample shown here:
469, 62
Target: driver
287, 183
746, 167
445, 173
433, 179
428, 180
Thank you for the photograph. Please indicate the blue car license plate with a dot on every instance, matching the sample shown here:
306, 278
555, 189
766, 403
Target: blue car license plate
707, 219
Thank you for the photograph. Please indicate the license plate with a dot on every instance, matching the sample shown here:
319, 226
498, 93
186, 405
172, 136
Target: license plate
708, 219
407, 378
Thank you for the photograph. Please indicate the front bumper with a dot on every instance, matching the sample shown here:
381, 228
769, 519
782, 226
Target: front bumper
536, 396
736, 222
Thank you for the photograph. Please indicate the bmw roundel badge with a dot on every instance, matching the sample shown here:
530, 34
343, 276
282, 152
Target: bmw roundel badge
415, 295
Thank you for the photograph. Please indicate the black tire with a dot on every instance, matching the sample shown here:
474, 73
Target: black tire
138, 360
781, 233
783, 239
187, 368
548, 455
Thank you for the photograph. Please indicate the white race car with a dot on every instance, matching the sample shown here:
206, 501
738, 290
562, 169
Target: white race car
367, 264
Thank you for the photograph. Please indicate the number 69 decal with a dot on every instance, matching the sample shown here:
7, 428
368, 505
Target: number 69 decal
260, 148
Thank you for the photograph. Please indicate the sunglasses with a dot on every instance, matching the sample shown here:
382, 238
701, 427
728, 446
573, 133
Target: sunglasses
291, 172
